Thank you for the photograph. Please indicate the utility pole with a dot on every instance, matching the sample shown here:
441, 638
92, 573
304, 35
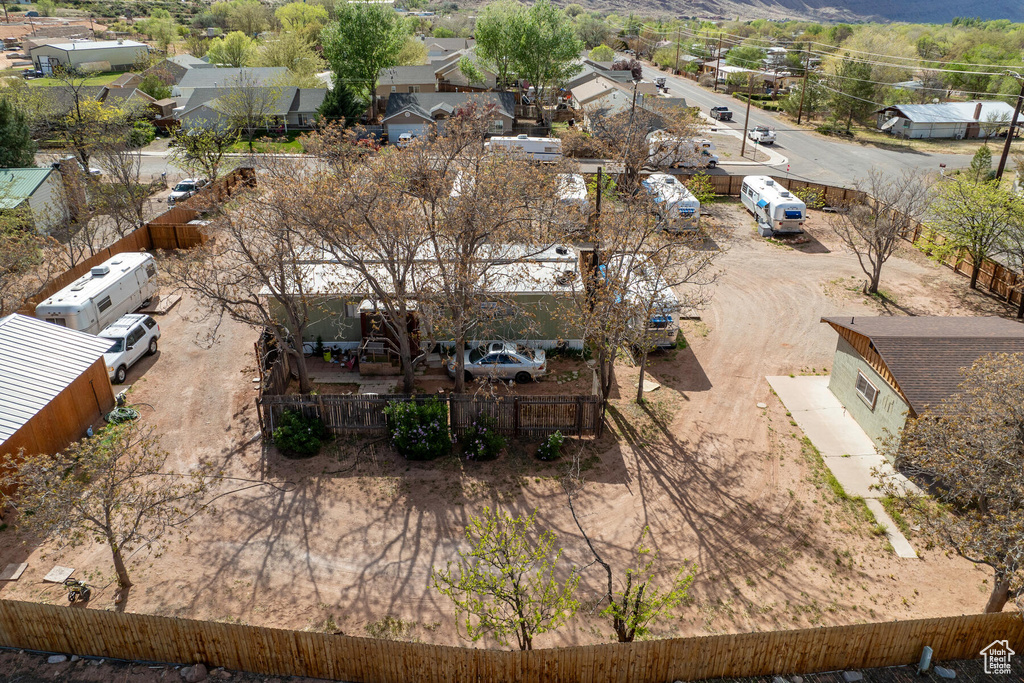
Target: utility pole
1013, 125
676, 70
718, 60
746, 118
803, 88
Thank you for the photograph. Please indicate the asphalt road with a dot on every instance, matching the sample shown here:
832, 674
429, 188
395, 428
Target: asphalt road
811, 156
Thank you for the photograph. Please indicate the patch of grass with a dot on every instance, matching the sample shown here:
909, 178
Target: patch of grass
288, 143
681, 342
390, 628
98, 79
822, 477
892, 509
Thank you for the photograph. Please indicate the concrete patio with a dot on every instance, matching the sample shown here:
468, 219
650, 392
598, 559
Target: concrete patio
845, 448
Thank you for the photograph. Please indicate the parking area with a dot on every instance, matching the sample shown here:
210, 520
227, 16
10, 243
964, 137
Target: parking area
347, 539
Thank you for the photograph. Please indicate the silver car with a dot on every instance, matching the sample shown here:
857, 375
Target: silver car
502, 361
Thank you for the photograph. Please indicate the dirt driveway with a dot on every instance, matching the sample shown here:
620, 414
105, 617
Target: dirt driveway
345, 541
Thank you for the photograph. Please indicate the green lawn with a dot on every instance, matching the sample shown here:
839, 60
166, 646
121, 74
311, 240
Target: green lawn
281, 144
98, 79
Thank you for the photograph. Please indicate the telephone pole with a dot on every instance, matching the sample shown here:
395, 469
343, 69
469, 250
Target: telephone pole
1010, 130
718, 60
746, 118
676, 70
803, 88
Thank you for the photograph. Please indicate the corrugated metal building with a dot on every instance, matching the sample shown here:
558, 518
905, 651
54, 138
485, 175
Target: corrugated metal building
945, 119
37, 188
99, 55
53, 385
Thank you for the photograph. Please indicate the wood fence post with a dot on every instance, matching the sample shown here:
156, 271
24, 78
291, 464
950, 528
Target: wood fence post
515, 415
579, 416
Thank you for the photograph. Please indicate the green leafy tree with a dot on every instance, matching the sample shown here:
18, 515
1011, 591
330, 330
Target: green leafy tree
507, 584
294, 52
413, 53
17, 149
592, 30
473, 73
248, 16
296, 16
745, 56
969, 450
852, 92
340, 104
235, 49
499, 30
112, 488
155, 87
547, 53
202, 151
974, 217
814, 102
602, 53
366, 38
981, 165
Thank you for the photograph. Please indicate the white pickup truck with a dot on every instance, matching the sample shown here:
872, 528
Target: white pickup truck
762, 135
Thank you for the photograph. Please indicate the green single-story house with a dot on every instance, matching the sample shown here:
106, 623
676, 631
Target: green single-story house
889, 368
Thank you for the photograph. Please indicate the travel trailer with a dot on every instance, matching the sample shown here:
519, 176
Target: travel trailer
674, 201
538, 149
119, 285
777, 210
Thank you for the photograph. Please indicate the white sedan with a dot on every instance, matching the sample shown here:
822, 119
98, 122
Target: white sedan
502, 361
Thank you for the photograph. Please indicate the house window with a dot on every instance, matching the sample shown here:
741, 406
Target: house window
394, 88
103, 304
414, 88
866, 390
497, 126
352, 310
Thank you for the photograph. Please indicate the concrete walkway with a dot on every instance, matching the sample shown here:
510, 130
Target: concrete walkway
845, 448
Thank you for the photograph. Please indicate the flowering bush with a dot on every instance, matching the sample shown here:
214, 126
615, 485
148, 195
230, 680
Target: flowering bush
419, 431
482, 441
552, 448
297, 436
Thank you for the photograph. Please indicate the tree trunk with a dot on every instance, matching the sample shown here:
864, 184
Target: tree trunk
122, 572
305, 385
640, 384
975, 272
405, 355
1000, 595
876, 277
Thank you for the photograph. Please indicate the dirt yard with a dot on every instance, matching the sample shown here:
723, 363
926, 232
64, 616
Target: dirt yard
346, 541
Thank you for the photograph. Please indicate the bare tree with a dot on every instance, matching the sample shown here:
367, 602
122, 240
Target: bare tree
969, 451
872, 227
112, 487
256, 271
122, 197
27, 259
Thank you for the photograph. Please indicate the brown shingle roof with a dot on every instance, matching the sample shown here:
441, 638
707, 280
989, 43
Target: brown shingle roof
926, 354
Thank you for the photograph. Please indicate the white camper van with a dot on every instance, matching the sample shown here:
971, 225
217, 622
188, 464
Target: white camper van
674, 201
117, 286
777, 210
538, 149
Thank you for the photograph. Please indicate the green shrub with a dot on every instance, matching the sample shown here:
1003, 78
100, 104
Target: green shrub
142, 133
552, 448
419, 431
298, 436
482, 441
814, 199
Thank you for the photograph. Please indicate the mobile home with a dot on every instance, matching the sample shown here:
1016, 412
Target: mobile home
117, 286
538, 149
777, 210
674, 201
571, 191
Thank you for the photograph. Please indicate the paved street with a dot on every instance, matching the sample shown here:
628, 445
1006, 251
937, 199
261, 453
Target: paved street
811, 156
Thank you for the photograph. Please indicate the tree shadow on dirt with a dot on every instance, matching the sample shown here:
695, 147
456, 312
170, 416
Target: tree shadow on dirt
678, 369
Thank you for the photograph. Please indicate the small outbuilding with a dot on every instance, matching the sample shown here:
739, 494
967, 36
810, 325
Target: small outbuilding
97, 55
889, 368
36, 189
53, 385
959, 120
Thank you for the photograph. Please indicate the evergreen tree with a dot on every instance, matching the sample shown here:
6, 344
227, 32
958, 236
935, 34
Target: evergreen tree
981, 164
340, 103
17, 149
852, 91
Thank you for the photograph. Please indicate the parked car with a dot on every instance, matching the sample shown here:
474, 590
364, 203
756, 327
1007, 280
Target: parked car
405, 139
185, 189
721, 113
72, 160
499, 360
763, 135
131, 337
661, 83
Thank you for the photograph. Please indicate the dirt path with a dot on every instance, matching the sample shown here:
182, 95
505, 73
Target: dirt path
346, 540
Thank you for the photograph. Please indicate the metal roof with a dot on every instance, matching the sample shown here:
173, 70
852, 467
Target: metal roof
94, 45
18, 184
39, 360
226, 76
953, 112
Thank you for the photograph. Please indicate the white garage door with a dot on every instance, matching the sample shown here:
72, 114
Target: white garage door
417, 129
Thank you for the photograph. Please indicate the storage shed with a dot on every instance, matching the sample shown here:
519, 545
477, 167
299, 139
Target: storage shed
945, 119
99, 55
53, 385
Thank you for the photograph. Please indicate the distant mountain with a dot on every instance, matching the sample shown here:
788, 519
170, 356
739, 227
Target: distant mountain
919, 11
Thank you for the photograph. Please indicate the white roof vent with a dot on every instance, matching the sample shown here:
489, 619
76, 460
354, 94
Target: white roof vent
523, 137
99, 271
769, 182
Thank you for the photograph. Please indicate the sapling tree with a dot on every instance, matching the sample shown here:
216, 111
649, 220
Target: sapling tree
872, 226
969, 451
111, 488
203, 150
510, 583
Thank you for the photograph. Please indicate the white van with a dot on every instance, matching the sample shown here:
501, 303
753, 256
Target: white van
675, 202
119, 285
666, 150
538, 149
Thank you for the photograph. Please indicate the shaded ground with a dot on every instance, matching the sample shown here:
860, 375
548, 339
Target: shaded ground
346, 540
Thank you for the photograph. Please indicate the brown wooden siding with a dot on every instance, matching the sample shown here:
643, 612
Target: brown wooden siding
867, 351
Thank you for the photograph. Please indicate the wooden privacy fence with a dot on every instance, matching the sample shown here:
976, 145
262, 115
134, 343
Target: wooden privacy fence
729, 185
530, 416
277, 652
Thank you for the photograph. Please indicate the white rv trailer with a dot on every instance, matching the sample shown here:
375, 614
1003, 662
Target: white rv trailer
538, 149
571, 193
665, 150
674, 201
119, 285
777, 210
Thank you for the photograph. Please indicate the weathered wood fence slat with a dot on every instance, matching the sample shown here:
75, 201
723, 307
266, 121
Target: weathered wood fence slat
276, 652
